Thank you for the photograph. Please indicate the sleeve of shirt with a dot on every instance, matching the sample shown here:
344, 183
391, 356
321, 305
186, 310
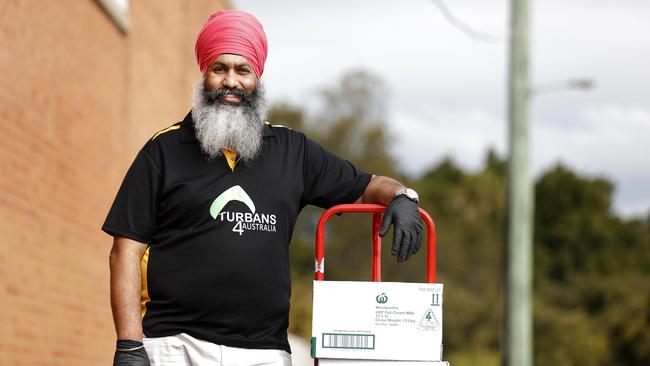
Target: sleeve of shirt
133, 214
329, 179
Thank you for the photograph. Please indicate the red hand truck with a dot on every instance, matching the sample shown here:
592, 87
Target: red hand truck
377, 213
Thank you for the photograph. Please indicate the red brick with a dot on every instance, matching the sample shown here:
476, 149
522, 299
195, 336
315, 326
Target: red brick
77, 100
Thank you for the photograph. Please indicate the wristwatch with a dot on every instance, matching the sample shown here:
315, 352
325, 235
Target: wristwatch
408, 193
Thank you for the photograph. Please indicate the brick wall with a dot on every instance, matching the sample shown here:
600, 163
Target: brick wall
77, 100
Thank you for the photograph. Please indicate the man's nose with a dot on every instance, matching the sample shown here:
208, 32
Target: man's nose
230, 80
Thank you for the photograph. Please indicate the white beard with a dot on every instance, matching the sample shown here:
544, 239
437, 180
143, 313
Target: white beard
221, 126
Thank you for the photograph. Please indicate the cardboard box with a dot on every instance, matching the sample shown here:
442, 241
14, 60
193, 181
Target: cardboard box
339, 362
377, 321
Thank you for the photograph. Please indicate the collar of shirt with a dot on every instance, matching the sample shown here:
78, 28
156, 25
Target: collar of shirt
188, 134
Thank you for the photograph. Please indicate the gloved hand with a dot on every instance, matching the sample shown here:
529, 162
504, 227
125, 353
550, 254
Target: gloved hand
126, 355
407, 234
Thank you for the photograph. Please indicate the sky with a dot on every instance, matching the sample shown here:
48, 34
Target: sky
447, 91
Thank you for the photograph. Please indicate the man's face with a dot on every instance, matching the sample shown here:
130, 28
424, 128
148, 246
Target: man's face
229, 109
231, 72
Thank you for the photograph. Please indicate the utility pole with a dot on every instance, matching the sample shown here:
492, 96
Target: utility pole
518, 280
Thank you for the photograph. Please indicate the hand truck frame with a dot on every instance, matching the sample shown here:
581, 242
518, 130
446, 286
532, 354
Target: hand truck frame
377, 212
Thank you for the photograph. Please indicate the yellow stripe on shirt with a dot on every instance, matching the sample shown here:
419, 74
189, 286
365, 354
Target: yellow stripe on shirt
144, 294
170, 128
272, 125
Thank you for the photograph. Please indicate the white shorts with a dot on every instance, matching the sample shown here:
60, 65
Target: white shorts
184, 350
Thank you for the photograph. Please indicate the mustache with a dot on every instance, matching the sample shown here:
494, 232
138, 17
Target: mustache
214, 96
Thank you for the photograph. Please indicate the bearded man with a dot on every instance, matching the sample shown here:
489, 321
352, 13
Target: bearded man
203, 219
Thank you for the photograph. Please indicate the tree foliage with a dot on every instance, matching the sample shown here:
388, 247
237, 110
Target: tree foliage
592, 268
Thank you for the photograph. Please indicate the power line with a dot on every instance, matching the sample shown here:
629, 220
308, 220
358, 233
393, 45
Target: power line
464, 27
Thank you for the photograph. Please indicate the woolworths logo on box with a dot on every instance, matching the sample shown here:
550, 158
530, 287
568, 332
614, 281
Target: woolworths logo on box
382, 298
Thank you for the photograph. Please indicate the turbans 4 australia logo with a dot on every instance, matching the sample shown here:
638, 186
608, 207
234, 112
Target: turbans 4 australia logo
243, 220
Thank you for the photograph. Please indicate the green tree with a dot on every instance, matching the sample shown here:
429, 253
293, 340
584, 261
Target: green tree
469, 210
573, 221
592, 268
592, 272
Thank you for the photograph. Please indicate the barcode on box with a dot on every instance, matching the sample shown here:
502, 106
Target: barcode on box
355, 341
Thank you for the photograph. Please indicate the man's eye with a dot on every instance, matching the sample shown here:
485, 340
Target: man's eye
244, 71
218, 69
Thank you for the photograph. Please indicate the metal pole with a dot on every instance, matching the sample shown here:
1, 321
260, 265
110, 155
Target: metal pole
518, 314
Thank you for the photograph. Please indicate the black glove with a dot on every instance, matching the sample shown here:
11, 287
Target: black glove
404, 215
130, 353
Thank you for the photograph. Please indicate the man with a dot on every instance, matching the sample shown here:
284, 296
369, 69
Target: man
204, 217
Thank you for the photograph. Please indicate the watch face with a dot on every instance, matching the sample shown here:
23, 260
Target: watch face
409, 193
412, 194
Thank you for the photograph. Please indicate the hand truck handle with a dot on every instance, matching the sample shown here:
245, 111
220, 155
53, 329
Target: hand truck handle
377, 211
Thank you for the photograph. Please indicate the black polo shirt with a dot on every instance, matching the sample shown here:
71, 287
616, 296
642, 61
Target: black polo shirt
218, 259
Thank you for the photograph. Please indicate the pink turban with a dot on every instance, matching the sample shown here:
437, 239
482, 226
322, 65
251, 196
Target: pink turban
232, 31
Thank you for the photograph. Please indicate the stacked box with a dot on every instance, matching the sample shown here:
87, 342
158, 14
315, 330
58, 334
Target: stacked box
394, 321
